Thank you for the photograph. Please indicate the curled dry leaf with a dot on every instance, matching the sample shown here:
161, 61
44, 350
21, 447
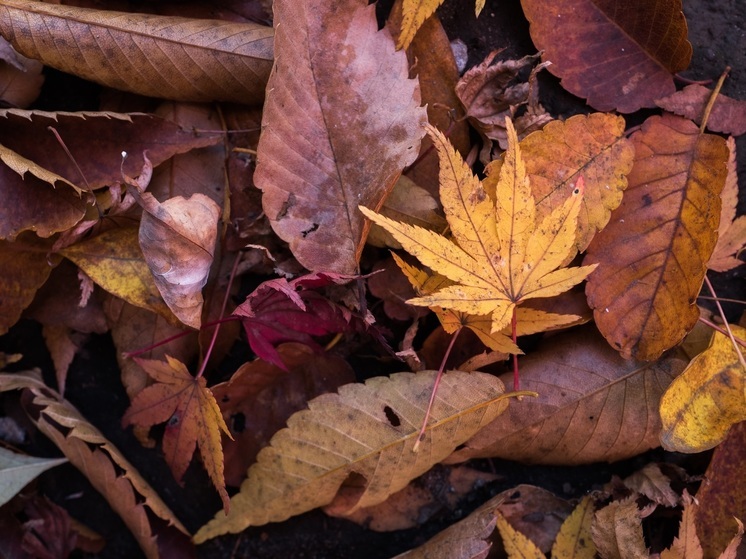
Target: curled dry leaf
339, 80
617, 531
592, 146
652, 256
727, 115
101, 462
616, 55
169, 57
193, 417
592, 406
366, 430
707, 399
177, 238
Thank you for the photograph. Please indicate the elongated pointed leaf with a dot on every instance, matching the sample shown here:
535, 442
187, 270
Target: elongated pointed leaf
170, 57
16, 470
369, 430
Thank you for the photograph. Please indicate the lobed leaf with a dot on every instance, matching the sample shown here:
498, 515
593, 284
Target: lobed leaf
365, 430
168, 57
652, 257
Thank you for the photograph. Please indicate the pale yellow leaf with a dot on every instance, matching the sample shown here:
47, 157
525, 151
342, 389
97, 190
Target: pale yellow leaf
516, 544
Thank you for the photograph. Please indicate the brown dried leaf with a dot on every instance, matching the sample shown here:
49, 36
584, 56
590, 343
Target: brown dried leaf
178, 239
653, 254
686, 545
338, 80
654, 484
727, 115
20, 78
722, 496
618, 55
617, 531
158, 56
593, 405
94, 455
732, 230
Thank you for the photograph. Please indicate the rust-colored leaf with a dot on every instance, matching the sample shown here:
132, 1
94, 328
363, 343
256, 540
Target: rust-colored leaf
192, 415
618, 54
338, 80
727, 115
20, 77
158, 56
652, 257
592, 146
592, 406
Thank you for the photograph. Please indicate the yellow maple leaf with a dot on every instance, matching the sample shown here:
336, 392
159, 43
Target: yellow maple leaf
499, 256
192, 415
414, 14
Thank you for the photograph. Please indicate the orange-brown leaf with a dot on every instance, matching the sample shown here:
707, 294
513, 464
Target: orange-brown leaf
193, 417
732, 230
652, 257
618, 54
340, 123
727, 115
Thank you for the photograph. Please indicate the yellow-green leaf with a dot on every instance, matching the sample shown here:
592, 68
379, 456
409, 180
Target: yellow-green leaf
702, 404
367, 430
574, 538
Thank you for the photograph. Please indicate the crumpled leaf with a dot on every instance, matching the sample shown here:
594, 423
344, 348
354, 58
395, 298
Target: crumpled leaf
652, 256
338, 79
654, 484
158, 56
17, 470
192, 415
722, 499
707, 399
592, 146
177, 238
48, 533
592, 406
574, 538
101, 462
732, 230
617, 531
727, 115
291, 311
617, 55
367, 430
115, 262
516, 544
501, 255
469, 538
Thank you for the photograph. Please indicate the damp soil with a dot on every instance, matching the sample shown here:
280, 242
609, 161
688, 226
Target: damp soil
717, 31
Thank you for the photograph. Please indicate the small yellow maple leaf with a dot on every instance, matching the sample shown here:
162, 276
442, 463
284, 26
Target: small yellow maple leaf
414, 14
499, 256
193, 416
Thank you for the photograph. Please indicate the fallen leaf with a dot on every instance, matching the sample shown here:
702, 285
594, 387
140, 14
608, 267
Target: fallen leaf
592, 146
17, 470
192, 415
517, 546
337, 78
469, 538
291, 311
48, 533
686, 545
617, 531
366, 430
115, 262
126, 491
158, 56
722, 495
652, 256
707, 399
654, 484
732, 230
414, 14
593, 406
727, 115
618, 56
20, 78
501, 256
177, 238
574, 539
258, 385
62, 344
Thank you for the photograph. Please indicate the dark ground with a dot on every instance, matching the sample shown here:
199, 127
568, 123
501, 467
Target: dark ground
718, 35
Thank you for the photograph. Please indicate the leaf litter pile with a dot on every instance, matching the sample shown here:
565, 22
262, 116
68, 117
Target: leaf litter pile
339, 269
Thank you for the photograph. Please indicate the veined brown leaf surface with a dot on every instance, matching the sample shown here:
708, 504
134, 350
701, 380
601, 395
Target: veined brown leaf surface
168, 57
367, 429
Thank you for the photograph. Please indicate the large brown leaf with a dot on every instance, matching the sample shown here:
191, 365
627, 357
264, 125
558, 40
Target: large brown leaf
341, 121
618, 54
593, 405
653, 254
169, 57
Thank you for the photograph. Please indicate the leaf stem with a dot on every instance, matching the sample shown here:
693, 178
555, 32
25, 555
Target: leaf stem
514, 331
421, 434
725, 323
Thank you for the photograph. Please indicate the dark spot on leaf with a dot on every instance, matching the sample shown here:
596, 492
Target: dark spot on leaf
310, 230
391, 416
173, 420
647, 199
289, 203
238, 423
515, 495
